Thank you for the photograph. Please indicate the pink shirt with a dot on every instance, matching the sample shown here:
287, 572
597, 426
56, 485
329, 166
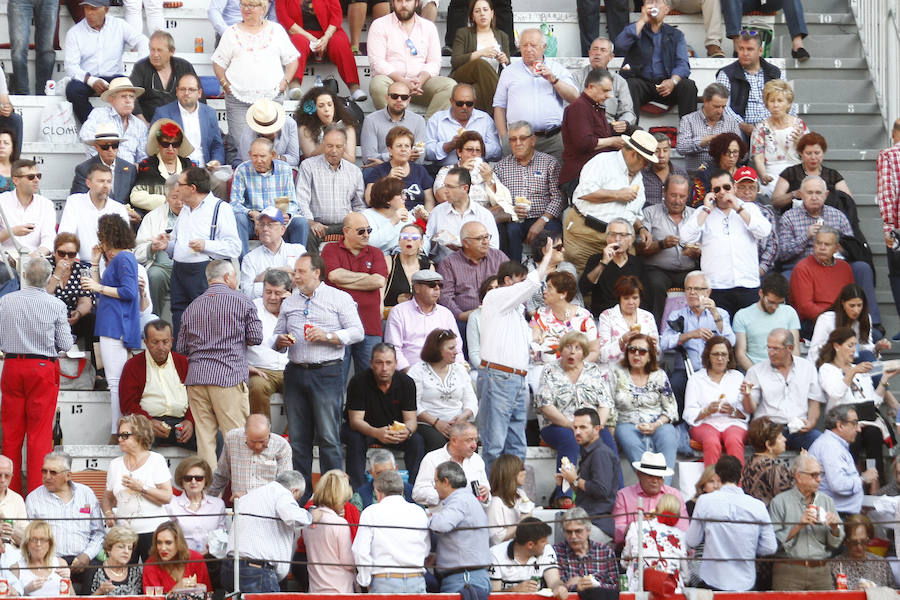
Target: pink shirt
627, 502
389, 52
329, 544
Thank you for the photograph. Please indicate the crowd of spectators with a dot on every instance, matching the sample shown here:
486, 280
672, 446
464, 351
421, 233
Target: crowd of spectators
523, 264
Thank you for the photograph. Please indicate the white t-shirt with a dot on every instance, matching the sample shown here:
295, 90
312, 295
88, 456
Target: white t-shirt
510, 576
129, 503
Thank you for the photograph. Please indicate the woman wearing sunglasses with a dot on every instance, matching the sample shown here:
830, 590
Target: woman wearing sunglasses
138, 483
479, 52
645, 403
167, 154
387, 213
65, 284
404, 265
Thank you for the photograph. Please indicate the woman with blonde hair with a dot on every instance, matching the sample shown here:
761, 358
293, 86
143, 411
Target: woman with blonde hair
328, 542
39, 570
773, 143
509, 503
115, 578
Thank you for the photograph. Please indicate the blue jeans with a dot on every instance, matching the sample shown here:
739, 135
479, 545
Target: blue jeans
633, 443
313, 400
478, 579
297, 230
502, 414
253, 580
392, 585
79, 94
517, 231
562, 439
361, 352
358, 444
45, 14
733, 10
796, 441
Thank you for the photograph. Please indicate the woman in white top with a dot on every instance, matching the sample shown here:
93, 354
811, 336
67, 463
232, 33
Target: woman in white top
846, 383
850, 309
40, 570
255, 59
615, 324
387, 213
712, 403
509, 503
444, 393
138, 484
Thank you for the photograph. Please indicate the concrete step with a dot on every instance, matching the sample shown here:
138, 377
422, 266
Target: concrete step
851, 138
844, 45
834, 91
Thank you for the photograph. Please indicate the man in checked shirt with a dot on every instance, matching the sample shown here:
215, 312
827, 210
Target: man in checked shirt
583, 563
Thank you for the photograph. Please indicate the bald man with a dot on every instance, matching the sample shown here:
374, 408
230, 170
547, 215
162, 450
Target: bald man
253, 456
360, 270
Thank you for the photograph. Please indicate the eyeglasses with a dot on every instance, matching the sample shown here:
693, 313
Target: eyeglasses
863, 543
466, 103
39, 540
189, 90
364, 231
53, 473
306, 307
519, 138
445, 333
719, 188
471, 149
403, 97
411, 46
246, 6
481, 238
62, 254
29, 176
170, 144
617, 234
718, 354
105, 147
695, 290
577, 531
732, 152
813, 474
432, 284
124, 435
637, 350
410, 236
197, 478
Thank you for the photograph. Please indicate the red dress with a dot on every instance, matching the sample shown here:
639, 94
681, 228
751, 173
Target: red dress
157, 576
328, 12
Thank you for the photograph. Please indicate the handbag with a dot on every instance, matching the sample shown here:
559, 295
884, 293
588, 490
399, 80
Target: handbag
76, 374
656, 581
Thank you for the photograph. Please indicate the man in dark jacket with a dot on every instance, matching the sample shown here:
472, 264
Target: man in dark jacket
656, 63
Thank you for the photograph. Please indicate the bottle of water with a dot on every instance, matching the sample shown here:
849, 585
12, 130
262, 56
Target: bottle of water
318, 81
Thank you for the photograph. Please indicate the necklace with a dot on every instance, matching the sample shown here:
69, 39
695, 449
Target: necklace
120, 572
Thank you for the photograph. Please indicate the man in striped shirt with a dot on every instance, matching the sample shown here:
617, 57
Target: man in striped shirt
218, 393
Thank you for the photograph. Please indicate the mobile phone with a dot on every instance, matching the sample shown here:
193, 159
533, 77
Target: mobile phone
475, 489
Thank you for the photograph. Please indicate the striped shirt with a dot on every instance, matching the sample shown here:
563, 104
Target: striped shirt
255, 191
216, 348
34, 322
246, 469
329, 309
326, 195
76, 536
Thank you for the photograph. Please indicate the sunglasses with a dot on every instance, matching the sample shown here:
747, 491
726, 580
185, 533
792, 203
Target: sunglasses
432, 284
364, 231
749, 32
124, 435
410, 236
403, 97
637, 350
170, 144
411, 46
30, 176
62, 254
466, 103
113, 145
719, 188
197, 478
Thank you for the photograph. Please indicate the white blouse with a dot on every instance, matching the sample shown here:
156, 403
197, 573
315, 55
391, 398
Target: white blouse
702, 391
825, 324
254, 63
831, 379
500, 515
129, 503
611, 326
443, 398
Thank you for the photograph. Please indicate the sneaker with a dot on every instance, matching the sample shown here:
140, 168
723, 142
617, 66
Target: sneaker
295, 93
359, 95
446, 51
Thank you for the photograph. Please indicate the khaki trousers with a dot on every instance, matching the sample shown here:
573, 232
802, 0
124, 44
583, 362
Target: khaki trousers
713, 21
789, 577
436, 93
261, 389
216, 408
581, 241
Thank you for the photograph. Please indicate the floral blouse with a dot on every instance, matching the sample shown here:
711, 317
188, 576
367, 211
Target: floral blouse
552, 329
557, 390
657, 540
874, 568
611, 326
765, 477
642, 404
777, 145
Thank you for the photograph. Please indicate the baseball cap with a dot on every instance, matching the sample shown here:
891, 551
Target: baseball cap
273, 213
745, 173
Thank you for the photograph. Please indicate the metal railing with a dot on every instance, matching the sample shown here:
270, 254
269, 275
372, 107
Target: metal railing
880, 37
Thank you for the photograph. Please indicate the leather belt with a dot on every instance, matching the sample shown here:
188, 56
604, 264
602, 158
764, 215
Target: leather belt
31, 357
396, 575
458, 570
806, 563
327, 363
548, 132
504, 368
258, 564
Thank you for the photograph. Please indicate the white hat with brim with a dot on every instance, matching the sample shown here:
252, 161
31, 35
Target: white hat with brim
184, 150
120, 84
105, 132
643, 143
265, 116
653, 463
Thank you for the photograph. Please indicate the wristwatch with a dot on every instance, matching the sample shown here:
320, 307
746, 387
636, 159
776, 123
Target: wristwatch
329, 336
545, 218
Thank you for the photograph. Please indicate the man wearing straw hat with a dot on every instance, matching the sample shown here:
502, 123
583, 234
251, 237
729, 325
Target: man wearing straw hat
106, 141
646, 493
610, 186
266, 118
120, 97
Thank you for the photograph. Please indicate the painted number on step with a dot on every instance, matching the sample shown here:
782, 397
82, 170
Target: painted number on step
77, 409
38, 159
91, 463
851, 108
824, 18
171, 23
804, 108
837, 63
862, 155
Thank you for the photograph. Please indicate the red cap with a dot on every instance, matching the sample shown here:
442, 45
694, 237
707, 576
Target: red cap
745, 173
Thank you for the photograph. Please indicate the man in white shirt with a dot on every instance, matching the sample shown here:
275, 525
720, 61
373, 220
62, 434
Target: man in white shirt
524, 562
267, 364
505, 339
93, 54
445, 126
728, 229
205, 230
447, 218
461, 450
32, 218
120, 97
12, 506
83, 211
273, 252
198, 120
786, 389
159, 264
407, 545
610, 186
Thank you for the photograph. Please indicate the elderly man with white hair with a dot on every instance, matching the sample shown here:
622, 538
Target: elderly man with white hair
380, 460
119, 110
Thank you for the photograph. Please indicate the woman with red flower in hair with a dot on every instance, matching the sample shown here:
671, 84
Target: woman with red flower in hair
167, 155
